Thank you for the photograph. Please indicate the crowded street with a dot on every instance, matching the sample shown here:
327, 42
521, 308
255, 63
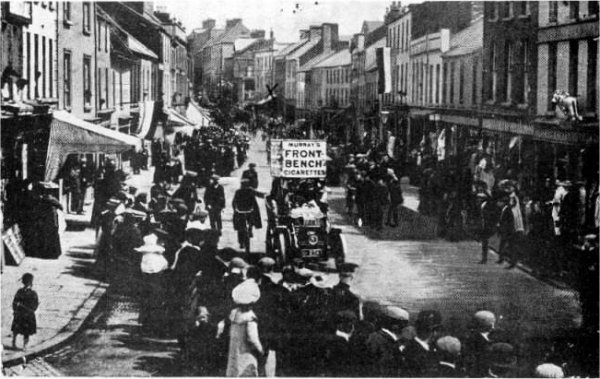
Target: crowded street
411, 274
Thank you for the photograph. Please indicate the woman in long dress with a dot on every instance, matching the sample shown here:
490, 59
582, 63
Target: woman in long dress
245, 349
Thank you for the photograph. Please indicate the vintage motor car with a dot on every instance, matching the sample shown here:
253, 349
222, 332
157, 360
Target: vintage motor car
298, 226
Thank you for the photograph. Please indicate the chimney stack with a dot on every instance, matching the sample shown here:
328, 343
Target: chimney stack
271, 35
208, 23
330, 36
233, 22
257, 34
314, 32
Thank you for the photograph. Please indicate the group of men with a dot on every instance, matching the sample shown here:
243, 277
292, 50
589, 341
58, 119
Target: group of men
372, 187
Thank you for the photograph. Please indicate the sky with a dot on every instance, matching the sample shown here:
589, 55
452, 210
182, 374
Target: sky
278, 14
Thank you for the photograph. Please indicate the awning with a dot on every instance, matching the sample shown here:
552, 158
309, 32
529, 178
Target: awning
198, 115
176, 119
71, 135
146, 117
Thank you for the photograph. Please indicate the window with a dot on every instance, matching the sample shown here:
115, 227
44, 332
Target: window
574, 10
67, 78
50, 68
51, 5
551, 73
592, 74
474, 81
87, 83
573, 66
492, 10
461, 83
401, 77
444, 82
507, 9
437, 83
508, 70
524, 93
494, 60
99, 34
522, 8
106, 31
430, 93
44, 72
67, 11
36, 67
106, 92
452, 72
553, 11
28, 59
86, 17
593, 8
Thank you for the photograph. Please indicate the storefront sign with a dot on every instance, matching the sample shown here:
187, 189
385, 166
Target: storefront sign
567, 137
12, 239
504, 126
461, 120
304, 159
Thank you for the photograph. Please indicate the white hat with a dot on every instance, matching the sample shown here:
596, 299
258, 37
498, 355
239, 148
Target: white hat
150, 245
197, 225
322, 281
549, 370
246, 293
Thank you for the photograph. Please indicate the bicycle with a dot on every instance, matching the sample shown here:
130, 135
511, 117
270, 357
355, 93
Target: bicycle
245, 230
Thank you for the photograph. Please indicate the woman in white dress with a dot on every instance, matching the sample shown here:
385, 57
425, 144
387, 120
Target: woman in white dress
245, 349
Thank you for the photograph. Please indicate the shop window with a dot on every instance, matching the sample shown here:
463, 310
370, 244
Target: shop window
50, 67
444, 82
492, 10
508, 70
67, 78
507, 9
437, 84
521, 8
36, 67
524, 93
593, 8
474, 81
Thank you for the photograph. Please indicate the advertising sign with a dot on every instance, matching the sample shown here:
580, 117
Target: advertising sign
304, 159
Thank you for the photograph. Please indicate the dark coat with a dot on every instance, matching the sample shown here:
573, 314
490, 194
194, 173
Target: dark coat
244, 200
44, 241
381, 194
507, 222
418, 362
489, 218
187, 263
342, 299
24, 306
445, 371
337, 357
383, 354
395, 189
475, 354
252, 176
214, 197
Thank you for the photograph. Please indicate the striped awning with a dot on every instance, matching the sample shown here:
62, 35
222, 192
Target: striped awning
71, 135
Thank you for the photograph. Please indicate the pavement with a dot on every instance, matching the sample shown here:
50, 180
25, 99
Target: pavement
67, 287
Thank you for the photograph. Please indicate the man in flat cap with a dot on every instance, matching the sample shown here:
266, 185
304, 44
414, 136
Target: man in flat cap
478, 343
448, 349
214, 201
419, 354
383, 346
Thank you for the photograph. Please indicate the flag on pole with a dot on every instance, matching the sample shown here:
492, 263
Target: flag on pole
383, 69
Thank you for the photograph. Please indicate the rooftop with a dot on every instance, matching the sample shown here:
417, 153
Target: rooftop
340, 58
302, 49
315, 61
467, 40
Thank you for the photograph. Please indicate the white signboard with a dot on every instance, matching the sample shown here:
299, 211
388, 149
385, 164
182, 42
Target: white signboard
304, 159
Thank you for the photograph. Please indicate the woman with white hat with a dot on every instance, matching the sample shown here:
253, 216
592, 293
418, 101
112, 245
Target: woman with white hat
245, 348
153, 265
